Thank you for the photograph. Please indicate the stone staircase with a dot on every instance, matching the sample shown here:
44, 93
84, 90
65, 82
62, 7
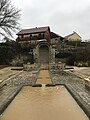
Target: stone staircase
44, 66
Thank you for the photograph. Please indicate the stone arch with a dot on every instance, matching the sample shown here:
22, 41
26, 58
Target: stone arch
43, 53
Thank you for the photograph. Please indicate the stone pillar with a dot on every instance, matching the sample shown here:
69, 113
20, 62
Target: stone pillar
35, 55
87, 83
52, 55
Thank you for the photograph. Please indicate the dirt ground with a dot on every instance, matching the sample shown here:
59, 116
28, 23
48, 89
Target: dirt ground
83, 72
6, 73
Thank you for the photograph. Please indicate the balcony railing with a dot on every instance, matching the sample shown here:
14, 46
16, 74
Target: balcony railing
33, 42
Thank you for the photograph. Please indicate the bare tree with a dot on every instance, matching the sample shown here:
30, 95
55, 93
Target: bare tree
9, 17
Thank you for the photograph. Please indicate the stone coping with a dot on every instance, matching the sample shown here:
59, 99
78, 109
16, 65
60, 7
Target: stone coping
3, 82
87, 83
9, 100
78, 99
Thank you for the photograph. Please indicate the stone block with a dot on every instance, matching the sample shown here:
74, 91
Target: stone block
87, 83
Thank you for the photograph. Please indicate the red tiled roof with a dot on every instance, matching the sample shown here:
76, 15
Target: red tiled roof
56, 35
33, 30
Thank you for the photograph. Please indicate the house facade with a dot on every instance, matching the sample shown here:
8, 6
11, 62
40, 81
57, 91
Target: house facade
73, 37
42, 41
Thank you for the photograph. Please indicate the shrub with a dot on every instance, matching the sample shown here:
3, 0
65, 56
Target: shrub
81, 64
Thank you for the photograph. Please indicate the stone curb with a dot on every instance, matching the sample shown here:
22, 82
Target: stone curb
37, 85
78, 99
5, 80
9, 100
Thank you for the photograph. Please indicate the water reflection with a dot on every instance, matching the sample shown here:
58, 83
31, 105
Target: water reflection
44, 103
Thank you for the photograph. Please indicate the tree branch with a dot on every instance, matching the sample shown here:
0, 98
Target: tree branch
9, 17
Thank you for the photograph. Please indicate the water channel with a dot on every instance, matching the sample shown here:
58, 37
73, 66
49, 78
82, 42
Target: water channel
43, 77
44, 103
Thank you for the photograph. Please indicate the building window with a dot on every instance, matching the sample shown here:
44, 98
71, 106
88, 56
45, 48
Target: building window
21, 36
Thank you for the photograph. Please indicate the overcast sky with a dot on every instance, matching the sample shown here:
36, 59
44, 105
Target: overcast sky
63, 16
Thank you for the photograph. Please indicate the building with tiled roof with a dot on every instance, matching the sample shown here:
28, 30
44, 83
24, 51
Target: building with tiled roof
42, 41
73, 37
33, 30
37, 33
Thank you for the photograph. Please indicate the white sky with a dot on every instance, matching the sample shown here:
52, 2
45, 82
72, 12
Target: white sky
63, 16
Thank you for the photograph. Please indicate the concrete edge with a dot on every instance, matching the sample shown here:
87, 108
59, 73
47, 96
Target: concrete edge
6, 79
9, 100
74, 74
37, 85
79, 101
50, 85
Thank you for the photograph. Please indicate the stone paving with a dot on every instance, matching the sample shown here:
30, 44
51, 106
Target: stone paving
6, 73
12, 86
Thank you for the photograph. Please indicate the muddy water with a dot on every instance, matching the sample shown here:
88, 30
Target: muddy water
44, 103
43, 77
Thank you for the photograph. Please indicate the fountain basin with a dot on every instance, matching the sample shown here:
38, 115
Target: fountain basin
44, 103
